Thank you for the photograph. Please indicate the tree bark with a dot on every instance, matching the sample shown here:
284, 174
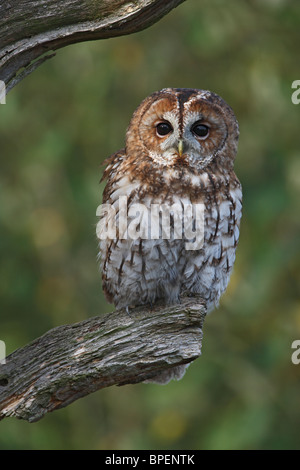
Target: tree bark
31, 30
119, 348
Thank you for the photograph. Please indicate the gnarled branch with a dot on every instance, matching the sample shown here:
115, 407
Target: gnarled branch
30, 30
72, 361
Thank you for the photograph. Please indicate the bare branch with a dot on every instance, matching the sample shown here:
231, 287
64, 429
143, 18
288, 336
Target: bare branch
30, 29
72, 361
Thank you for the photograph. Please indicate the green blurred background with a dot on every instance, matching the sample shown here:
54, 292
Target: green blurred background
57, 127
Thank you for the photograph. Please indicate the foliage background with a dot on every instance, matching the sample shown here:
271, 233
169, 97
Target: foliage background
58, 126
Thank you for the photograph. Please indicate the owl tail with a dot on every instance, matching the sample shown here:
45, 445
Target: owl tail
162, 378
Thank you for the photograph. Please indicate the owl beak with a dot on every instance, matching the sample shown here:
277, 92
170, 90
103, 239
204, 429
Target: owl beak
180, 147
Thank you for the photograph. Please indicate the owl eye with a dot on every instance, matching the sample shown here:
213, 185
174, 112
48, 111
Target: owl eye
163, 128
200, 130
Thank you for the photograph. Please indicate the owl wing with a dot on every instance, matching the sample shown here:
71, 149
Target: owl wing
111, 164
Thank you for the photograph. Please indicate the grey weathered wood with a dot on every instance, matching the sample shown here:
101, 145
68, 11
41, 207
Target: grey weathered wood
30, 30
72, 361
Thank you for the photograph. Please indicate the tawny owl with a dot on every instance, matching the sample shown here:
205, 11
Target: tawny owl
172, 204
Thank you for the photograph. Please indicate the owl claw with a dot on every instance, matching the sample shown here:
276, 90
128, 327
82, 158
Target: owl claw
127, 310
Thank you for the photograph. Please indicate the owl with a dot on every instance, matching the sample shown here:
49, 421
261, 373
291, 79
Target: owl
172, 204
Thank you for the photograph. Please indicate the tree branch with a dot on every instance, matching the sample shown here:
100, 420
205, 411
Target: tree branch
72, 361
29, 29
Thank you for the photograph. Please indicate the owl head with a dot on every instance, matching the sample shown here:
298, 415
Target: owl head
184, 127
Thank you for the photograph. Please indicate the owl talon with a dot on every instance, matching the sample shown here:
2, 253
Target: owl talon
127, 310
